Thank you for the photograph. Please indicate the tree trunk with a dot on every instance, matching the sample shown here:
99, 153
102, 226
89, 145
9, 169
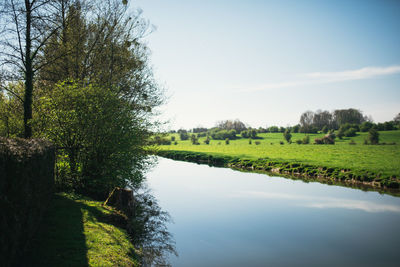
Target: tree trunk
28, 74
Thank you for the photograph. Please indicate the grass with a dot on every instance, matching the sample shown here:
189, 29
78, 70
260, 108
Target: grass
78, 231
380, 159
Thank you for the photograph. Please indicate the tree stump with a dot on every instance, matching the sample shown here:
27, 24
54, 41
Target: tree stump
122, 200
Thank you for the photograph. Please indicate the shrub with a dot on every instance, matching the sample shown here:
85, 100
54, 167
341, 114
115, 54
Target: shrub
207, 141
365, 126
306, 140
287, 135
325, 140
373, 136
328, 140
352, 142
281, 142
257, 142
340, 133
183, 136
332, 134
227, 141
318, 141
194, 140
175, 143
299, 142
350, 132
172, 138
249, 141
324, 129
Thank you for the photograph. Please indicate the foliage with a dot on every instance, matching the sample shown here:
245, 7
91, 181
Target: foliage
207, 141
217, 134
287, 135
102, 139
227, 141
350, 132
26, 189
236, 125
306, 140
373, 136
365, 126
194, 140
183, 135
251, 133
11, 110
273, 129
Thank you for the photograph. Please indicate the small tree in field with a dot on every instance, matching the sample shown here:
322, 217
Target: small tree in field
373, 136
287, 135
306, 140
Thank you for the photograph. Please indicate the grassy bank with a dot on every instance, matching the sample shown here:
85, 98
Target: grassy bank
375, 165
78, 231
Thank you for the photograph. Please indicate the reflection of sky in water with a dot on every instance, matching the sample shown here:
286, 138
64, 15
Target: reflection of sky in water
229, 218
322, 202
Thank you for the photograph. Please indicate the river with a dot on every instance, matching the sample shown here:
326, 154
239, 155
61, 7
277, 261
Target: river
224, 217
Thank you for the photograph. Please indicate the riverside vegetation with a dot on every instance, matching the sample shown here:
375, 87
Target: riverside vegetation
351, 160
76, 73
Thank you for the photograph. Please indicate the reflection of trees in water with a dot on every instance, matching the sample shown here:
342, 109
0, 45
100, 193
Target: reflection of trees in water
149, 230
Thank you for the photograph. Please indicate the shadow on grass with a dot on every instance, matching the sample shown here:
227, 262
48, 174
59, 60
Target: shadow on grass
60, 241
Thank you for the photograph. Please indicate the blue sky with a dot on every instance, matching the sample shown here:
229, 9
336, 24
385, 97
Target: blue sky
266, 62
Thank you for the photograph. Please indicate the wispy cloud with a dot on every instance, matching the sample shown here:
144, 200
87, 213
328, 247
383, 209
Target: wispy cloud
322, 202
330, 77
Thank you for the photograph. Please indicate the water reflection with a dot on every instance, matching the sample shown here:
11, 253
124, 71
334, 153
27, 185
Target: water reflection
148, 228
321, 202
228, 218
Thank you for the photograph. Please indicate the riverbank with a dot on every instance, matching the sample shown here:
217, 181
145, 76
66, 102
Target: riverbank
365, 180
78, 231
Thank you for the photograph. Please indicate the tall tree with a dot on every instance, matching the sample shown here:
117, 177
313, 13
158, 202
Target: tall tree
351, 115
26, 25
306, 121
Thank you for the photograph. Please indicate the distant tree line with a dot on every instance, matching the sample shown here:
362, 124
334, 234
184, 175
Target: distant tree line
344, 122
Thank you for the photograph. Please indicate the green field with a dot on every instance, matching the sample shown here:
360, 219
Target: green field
381, 159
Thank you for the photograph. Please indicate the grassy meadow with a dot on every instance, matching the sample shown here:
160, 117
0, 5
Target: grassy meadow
78, 231
381, 159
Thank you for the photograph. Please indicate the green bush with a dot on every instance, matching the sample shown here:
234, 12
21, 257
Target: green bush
227, 141
306, 140
287, 135
351, 132
26, 189
373, 136
299, 142
365, 126
207, 141
183, 136
100, 137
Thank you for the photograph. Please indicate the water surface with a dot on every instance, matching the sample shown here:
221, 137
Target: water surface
224, 217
